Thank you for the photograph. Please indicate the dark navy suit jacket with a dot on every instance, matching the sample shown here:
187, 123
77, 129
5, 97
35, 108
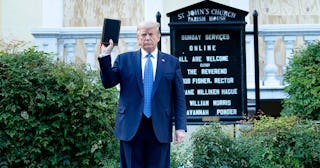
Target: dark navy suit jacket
168, 99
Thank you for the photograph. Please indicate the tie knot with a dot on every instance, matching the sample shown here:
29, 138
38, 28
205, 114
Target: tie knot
149, 55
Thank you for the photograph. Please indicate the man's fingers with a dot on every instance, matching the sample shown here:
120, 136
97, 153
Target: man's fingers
179, 136
106, 50
111, 42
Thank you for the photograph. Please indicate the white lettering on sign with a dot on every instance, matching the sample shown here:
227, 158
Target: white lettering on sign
217, 18
202, 65
202, 47
221, 102
197, 19
197, 59
196, 12
229, 91
223, 13
214, 71
180, 16
192, 71
191, 37
208, 11
200, 14
208, 91
226, 111
223, 80
198, 112
199, 102
217, 58
189, 92
220, 37
186, 81
183, 59
201, 81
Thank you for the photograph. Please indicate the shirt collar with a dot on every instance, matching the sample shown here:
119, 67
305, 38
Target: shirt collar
154, 53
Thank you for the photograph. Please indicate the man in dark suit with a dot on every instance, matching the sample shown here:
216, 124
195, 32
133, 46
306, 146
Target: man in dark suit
144, 119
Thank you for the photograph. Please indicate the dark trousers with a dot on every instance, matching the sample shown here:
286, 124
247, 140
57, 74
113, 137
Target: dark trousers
144, 150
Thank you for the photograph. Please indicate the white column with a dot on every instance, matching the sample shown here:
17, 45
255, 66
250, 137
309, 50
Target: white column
60, 49
52, 13
165, 44
289, 43
69, 45
250, 62
90, 45
270, 69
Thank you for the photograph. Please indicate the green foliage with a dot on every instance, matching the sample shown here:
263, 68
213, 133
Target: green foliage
303, 79
181, 155
284, 142
213, 148
53, 114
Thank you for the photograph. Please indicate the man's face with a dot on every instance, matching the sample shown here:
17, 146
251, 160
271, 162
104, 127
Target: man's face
148, 38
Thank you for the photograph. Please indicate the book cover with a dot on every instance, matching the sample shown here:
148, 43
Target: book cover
110, 30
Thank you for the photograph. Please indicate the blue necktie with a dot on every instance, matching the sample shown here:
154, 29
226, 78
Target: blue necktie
147, 86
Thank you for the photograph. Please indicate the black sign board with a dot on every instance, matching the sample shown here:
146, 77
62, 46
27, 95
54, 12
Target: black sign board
209, 40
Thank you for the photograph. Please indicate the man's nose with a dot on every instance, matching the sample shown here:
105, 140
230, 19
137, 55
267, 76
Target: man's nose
148, 36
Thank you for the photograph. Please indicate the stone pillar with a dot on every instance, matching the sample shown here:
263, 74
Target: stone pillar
250, 62
270, 69
69, 45
289, 43
90, 56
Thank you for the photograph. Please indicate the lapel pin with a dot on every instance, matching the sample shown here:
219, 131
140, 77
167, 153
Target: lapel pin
163, 60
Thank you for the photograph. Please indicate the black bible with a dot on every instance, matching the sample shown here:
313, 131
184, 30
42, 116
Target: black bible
110, 30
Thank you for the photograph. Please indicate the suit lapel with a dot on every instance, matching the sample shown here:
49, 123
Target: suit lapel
159, 72
139, 70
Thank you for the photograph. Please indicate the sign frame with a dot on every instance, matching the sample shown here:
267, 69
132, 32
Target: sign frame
191, 41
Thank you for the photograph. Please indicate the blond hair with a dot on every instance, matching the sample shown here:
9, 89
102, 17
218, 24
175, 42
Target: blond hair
148, 25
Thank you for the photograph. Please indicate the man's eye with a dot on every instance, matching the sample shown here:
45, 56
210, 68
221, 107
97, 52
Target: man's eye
144, 35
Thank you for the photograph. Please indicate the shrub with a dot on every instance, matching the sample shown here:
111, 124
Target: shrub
270, 143
283, 142
181, 155
53, 114
303, 79
213, 148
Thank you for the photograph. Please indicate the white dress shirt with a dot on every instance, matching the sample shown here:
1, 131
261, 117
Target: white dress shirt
153, 60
